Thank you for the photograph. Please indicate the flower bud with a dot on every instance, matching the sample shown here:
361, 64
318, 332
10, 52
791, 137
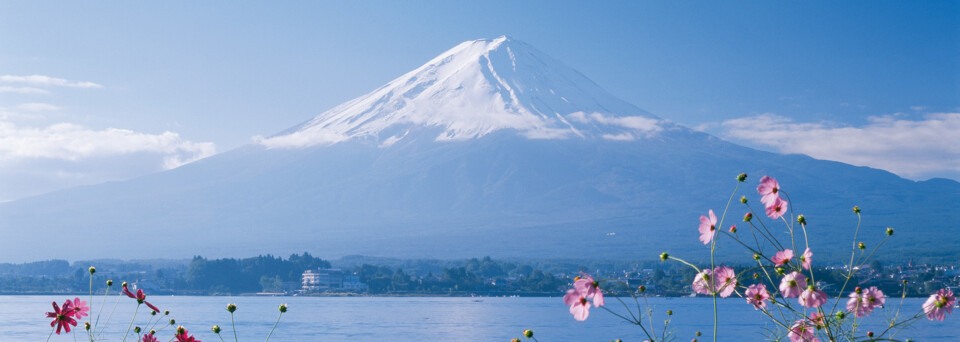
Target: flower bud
231, 307
904, 282
861, 245
283, 308
733, 229
123, 284
841, 315
801, 220
780, 271
669, 312
743, 199
742, 177
173, 321
858, 290
694, 340
698, 332
92, 270
86, 326
166, 312
153, 313
515, 340
756, 276
664, 256
136, 329
109, 283
153, 332
181, 330
870, 334
642, 288
856, 209
528, 333
216, 329
756, 257
747, 217
889, 231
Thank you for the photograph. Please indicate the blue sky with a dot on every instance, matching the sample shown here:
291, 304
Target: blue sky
121, 89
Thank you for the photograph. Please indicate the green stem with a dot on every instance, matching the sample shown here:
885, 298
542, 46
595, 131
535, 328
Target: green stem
234, 325
274, 327
131, 322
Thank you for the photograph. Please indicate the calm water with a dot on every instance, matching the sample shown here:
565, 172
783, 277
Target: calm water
422, 319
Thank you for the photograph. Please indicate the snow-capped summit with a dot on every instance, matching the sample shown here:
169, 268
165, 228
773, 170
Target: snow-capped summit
474, 89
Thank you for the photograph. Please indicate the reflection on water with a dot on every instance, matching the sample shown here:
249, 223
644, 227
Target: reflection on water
421, 319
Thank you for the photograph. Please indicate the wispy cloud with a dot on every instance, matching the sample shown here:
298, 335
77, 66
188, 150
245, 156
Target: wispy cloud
36, 107
906, 147
41, 80
72, 142
23, 90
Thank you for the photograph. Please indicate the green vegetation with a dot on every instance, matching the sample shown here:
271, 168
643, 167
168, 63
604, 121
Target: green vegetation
386, 276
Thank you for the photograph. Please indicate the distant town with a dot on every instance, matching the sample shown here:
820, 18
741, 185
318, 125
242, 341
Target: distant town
306, 275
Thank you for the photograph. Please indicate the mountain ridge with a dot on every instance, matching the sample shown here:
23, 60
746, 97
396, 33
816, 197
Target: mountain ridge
497, 192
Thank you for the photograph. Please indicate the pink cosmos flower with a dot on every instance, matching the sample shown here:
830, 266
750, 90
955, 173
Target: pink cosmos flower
703, 280
149, 338
590, 288
792, 285
812, 297
578, 303
803, 331
757, 295
725, 281
873, 297
817, 319
184, 336
769, 188
936, 307
707, 227
80, 308
805, 259
140, 297
858, 306
783, 257
776, 208
127, 292
62, 317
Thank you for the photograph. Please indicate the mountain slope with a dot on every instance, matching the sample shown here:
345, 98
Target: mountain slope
492, 148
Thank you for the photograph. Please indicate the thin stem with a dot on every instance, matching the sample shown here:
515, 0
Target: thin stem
51, 333
131, 322
713, 248
119, 295
853, 254
89, 334
271, 330
234, 325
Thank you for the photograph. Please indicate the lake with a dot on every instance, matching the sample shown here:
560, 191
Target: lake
22, 318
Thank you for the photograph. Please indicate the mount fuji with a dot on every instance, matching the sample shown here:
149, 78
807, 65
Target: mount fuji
491, 148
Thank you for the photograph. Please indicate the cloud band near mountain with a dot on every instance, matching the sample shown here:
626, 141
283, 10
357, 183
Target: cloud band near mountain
910, 148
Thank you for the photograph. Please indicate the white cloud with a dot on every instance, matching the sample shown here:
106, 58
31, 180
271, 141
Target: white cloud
36, 107
906, 147
71, 142
22, 90
40, 80
638, 124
